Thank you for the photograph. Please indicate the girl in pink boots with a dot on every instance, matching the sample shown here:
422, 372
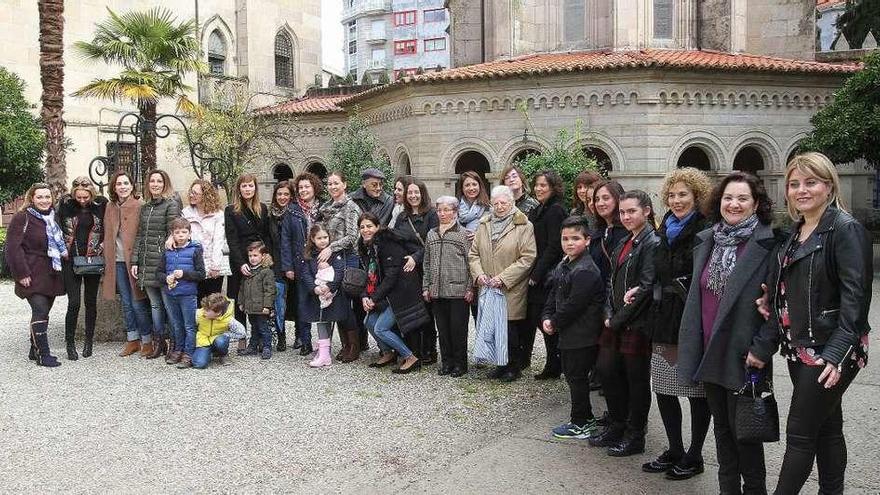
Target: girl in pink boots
327, 302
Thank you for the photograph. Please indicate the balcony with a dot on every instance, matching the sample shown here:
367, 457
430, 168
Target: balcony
365, 7
377, 36
376, 64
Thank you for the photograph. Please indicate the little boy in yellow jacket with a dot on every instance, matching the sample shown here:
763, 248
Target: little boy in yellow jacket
215, 327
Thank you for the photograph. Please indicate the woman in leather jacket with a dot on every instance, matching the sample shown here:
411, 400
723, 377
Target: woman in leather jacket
822, 326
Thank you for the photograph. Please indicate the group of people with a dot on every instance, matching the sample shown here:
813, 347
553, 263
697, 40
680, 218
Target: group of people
685, 306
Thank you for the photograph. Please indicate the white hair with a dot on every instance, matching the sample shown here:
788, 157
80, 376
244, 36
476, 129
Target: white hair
502, 191
447, 200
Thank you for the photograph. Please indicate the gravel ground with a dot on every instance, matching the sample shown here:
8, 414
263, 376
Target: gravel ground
116, 424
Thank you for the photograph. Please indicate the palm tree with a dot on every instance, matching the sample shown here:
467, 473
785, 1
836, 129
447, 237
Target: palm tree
155, 54
52, 79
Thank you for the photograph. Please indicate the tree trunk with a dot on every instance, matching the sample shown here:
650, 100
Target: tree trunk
52, 79
148, 140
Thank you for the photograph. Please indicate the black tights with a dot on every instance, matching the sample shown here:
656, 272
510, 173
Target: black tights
670, 411
73, 284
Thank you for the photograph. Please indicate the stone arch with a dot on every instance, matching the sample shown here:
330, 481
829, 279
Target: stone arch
793, 146
402, 160
281, 171
216, 23
764, 144
458, 148
750, 159
514, 147
708, 142
594, 143
694, 156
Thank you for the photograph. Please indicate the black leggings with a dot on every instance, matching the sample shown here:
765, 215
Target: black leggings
73, 285
814, 431
741, 466
626, 381
670, 412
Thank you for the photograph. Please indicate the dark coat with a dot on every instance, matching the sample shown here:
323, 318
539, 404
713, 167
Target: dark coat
294, 234
275, 223
602, 244
832, 271
27, 254
339, 308
722, 362
382, 206
68, 214
416, 235
402, 290
191, 260
673, 267
257, 291
155, 218
242, 229
575, 303
636, 270
547, 220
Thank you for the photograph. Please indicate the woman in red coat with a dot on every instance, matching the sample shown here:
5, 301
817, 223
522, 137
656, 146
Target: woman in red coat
34, 249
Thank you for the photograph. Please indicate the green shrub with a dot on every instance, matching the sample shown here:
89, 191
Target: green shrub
567, 162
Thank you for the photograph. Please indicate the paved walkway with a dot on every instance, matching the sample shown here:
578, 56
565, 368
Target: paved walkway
109, 424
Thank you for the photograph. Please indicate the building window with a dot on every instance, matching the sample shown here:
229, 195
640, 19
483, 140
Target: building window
216, 53
574, 27
283, 60
435, 44
663, 19
352, 47
405, 72
435, 15
407, 18
405, 47
378, 54
125, 153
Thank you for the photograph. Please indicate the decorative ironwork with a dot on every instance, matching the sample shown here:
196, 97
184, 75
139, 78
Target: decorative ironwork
126, 154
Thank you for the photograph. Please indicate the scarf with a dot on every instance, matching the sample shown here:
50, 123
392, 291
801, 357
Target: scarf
500, 223
54, 237
674, 226
727, 239
308, 211
276, 211
469, 214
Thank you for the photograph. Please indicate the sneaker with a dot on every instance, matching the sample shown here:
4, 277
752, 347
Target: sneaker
570, 430
267, 352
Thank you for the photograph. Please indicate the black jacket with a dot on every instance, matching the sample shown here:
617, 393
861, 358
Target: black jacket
575, 302
416, 239
603, 241
382, 206
636, 270
242, 229
673, 268
547, 220
82, 240
830, 279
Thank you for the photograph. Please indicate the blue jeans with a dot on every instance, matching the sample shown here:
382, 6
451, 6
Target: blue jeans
280, 305
157, 311
260, 328
381, 325
135, 313
201, 356
303, 328
182, 313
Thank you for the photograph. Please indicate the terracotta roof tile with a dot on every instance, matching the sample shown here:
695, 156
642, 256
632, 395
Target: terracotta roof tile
824, 4
588, 61
310, 105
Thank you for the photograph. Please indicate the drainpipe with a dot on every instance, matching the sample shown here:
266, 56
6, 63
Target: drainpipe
199, 41
699, 28
482, 31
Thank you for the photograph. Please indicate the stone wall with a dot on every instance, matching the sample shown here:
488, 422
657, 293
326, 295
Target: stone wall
782, 28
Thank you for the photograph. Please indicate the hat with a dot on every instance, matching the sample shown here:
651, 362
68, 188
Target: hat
372, 173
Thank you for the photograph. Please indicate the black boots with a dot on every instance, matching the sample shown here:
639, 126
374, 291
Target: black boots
282, 342
41, 345
87, 345
71, 351
633, 443
610, 436
306, 349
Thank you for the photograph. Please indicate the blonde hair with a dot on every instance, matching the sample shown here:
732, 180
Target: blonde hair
167, 191
816, 165
254, 203
83, 183
29, 196
696, 180
210, 198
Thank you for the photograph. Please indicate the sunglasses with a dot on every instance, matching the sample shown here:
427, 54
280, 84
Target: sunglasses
84, 183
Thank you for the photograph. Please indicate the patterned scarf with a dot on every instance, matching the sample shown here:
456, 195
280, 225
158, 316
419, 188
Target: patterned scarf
308, 211
500, 223
372, 272
727, 239
54, 237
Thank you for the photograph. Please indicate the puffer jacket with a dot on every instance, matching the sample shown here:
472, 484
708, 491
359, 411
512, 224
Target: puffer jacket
258, 290
636, 270
188, 259
209, 231
446, 273
575, 302
833, 272
207, 330
155, 218
340, 219
68, 213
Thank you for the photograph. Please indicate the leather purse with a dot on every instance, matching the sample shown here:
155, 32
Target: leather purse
88, 265
354, 281
757, 414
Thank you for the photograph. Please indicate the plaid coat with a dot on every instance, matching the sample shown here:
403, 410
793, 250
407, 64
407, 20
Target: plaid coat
446, 273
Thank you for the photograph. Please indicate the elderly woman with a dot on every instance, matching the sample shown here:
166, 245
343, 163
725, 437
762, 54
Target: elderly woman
81, 216
501, 257
34, 250
447, 284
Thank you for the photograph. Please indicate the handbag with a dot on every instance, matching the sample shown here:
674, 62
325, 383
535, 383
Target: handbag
757, 414
88, 265
354, 281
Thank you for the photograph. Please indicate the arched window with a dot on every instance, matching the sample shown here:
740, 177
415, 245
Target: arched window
318, 169
602, 158
216, 53
523, 154
283, 60
749, 159
282, 172
696, 157
475, 161
404, 167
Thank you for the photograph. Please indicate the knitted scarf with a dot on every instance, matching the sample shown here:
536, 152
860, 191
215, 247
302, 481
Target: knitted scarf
498, 224
727, 239
54, 237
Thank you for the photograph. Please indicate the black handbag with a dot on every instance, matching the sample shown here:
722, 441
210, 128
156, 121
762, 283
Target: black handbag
412, 318
757, 415
88, 265
354, 281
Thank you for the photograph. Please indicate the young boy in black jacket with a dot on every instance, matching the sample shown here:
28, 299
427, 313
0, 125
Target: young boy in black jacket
574, 311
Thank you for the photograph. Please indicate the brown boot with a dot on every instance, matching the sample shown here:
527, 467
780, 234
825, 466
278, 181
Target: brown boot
354, 347
130, 348
343, 351
147, 350
160, 347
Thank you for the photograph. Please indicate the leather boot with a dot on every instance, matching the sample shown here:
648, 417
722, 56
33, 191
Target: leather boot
147, 349
160, 347
610, 436
131, 347
323, 357
354, 347
71, 351
87, 345
32, 350
633, 443
343, 351
282, 341
41, 343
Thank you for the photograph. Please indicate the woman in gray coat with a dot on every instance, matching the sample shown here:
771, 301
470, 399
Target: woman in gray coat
720, 321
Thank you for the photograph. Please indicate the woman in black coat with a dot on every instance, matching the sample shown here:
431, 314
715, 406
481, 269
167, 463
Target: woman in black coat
720, 321
392, 295
546, 219
81, 216
246, 221
34, 251
684, 190
822, 322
